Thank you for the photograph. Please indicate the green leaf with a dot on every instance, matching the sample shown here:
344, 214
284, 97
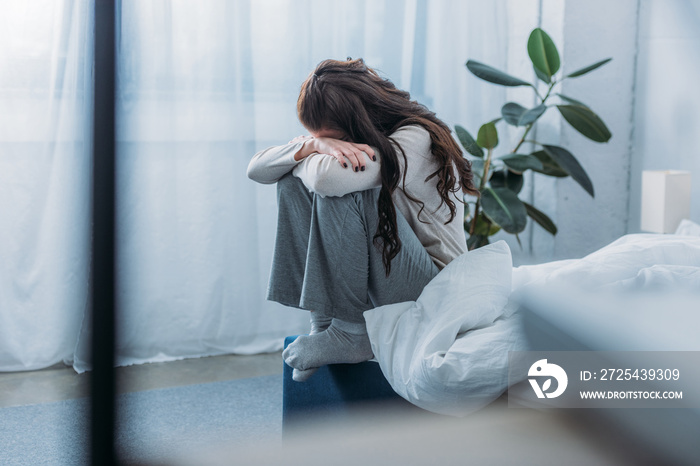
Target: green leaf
477, 170
477, 166
587, 69
484, 227
477, 241
496, 120
543, 52
507, 179
512, 112
517, 115
549, 166
585, 122
504, 208
572, 101
521, 162
570, 165
532, 115
468, 142
541, 218
488, 136
542, 77
492, 75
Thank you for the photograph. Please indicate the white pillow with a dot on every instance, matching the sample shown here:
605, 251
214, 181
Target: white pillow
688, 228
444, 352
624, 258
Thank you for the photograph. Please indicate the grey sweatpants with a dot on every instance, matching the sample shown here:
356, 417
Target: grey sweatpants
325, 259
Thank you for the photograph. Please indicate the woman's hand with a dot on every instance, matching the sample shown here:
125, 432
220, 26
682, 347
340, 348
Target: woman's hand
344, 151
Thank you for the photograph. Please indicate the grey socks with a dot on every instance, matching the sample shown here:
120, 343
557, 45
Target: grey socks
342, 342
319, 323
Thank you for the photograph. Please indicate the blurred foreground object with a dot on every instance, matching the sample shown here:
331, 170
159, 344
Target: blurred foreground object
379, 435
628, 318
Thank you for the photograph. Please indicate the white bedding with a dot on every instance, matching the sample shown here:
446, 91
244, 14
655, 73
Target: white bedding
447, 352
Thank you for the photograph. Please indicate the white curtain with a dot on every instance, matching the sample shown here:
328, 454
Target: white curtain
201, 87
45, 113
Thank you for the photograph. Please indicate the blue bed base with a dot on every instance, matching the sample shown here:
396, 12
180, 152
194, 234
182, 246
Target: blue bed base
334, 391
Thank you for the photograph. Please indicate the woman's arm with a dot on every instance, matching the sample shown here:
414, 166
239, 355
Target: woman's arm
323, 175
271, 164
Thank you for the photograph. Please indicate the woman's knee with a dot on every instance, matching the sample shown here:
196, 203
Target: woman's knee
289, 182
360, 198
359, 205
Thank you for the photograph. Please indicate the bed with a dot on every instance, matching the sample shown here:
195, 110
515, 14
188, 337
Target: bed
447, 352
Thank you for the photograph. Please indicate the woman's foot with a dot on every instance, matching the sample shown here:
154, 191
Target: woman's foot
319, 323
342, 342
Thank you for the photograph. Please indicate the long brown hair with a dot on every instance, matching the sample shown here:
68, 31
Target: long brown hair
351, 97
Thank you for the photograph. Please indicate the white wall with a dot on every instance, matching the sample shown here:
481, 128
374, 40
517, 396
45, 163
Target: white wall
667, 114
593, 30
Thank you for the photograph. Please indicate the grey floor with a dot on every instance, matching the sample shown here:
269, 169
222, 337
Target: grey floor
61, 382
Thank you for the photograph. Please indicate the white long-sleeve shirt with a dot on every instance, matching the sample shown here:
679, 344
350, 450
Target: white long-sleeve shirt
323, 175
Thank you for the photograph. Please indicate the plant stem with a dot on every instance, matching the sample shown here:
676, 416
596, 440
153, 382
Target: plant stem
537, 92
529, 127
487, 164
549, 91
484, 177
522, 139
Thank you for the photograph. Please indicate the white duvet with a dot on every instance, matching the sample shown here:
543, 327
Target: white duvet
447, 352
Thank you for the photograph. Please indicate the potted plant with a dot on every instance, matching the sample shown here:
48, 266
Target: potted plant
500, 178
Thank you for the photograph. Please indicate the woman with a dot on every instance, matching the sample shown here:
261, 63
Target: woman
369, 208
